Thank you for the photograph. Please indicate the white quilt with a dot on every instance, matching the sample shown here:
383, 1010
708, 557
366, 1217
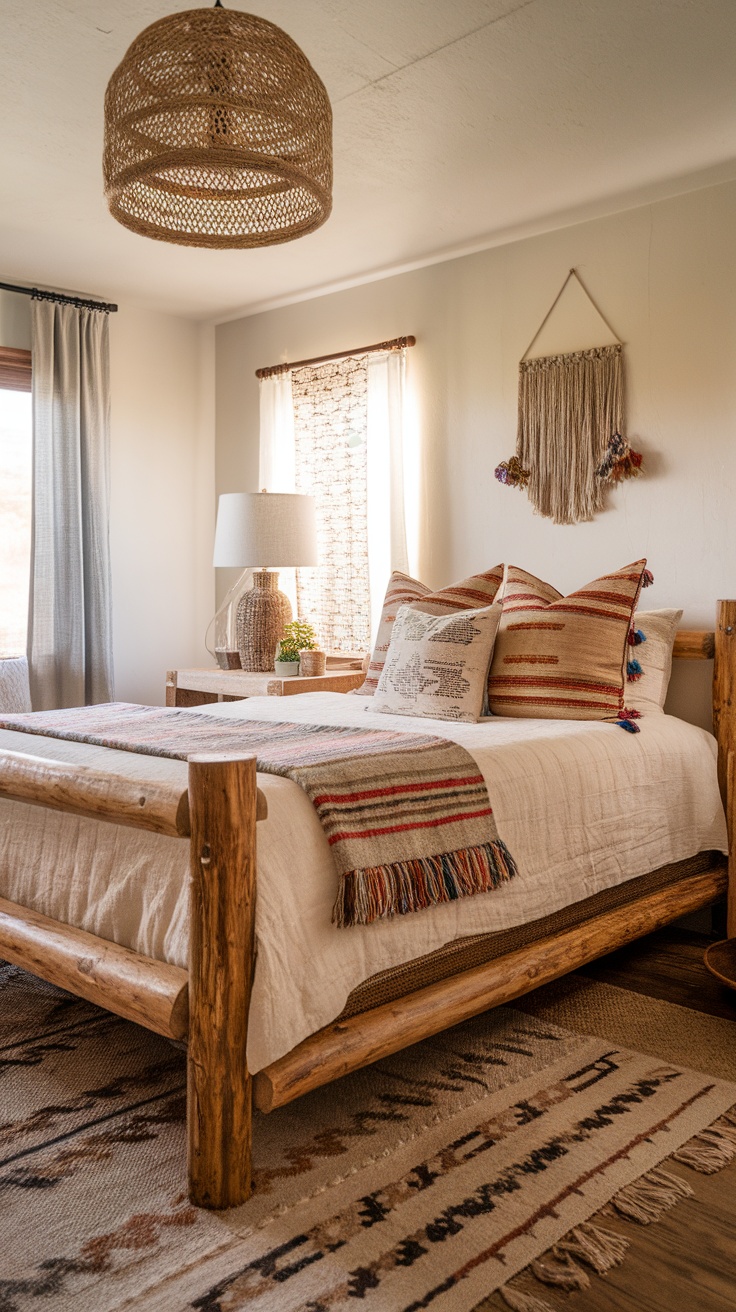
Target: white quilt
582, 806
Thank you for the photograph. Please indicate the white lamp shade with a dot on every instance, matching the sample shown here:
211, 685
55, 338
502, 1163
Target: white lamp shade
264, 529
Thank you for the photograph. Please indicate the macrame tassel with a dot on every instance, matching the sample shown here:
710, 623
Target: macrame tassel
647, 579
636, 637
712, 1149
633, 671
619, 462
568, 407
647, 1199
519, 1301
511, 473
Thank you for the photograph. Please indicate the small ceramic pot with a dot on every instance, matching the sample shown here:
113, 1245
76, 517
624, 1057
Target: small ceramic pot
312, 664
286, 669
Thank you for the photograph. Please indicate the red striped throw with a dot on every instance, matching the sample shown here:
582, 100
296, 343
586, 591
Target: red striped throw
407, 816
564, 657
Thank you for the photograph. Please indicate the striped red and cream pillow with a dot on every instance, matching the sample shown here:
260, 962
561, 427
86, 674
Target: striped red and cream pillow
564, 658
479, 590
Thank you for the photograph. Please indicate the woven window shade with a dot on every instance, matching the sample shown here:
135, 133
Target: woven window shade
218, 132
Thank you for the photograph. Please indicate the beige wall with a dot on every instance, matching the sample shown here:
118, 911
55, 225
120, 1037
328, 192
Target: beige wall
665, 276
162, 483
15, 321
162, 489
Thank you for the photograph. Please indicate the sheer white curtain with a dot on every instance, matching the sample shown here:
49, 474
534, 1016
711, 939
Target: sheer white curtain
276, 468
387, 549
69, 613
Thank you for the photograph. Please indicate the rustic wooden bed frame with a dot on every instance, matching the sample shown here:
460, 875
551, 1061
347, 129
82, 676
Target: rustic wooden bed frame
208, 1004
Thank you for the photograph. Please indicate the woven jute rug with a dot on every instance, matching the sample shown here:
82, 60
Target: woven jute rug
489, 1166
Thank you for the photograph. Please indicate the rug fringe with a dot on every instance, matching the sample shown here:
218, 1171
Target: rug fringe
560, 1269
519, 1301
648, 1198
405, 886
600, 1249
711, 1149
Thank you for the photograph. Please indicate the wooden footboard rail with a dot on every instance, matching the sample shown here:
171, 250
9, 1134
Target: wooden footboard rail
209, 1002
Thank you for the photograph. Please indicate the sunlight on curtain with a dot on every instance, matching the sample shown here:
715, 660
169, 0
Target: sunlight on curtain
330, 420
276, 454
336, 431
69, 608
386, 499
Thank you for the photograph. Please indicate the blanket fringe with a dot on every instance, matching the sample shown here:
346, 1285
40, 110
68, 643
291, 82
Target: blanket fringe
647, 1199
378, 892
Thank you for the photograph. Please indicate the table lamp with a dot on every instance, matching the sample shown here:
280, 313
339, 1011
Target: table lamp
259, 530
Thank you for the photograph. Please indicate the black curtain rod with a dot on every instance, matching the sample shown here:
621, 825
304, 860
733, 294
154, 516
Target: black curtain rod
38, 294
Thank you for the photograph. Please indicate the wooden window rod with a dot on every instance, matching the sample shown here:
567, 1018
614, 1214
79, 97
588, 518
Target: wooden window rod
396, 344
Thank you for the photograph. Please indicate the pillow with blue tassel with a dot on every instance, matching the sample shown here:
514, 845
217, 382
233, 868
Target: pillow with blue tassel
649, 659
569, 657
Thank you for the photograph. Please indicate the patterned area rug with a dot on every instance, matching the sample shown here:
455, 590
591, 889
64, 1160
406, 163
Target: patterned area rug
482, 1163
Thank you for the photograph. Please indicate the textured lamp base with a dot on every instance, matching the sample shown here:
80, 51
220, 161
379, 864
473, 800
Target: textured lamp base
262, 613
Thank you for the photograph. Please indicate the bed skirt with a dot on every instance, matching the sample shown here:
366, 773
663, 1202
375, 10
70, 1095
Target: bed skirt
477, 949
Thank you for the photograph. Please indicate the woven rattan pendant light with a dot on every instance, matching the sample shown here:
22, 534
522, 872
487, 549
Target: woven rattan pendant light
218, 132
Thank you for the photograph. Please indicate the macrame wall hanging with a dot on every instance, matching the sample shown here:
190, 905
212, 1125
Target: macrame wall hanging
571, 435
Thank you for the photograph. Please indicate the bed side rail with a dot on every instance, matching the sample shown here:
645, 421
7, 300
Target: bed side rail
156, 805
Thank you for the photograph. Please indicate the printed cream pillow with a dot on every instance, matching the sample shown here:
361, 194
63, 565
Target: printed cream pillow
478, 590
649, 663
565, 657
437, 665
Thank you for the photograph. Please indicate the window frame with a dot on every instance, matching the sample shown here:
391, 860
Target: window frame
15, 369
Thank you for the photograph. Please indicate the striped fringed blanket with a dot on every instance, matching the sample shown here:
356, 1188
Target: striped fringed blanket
407, 816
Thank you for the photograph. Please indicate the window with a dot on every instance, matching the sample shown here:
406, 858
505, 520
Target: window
334, 429
16, 475
330, 427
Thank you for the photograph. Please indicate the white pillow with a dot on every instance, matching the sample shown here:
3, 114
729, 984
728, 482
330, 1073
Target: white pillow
437, 665
647, 692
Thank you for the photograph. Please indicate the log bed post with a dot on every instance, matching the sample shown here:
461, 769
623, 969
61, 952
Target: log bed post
724, 727
222, 801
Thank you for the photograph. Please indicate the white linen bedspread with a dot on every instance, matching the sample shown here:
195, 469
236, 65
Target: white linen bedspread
582, 806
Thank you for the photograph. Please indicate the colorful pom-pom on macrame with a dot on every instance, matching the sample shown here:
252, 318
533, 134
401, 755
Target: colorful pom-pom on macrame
633, 671
512, 474
636, 637
619, 462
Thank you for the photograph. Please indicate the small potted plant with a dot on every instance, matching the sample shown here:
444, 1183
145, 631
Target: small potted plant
298, 637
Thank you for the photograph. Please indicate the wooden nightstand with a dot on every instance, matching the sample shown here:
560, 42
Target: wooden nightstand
200, 687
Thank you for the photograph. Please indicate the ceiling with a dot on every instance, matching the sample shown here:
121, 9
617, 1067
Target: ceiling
458, 123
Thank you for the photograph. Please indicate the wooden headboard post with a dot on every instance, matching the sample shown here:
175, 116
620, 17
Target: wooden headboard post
724, 689
724, 727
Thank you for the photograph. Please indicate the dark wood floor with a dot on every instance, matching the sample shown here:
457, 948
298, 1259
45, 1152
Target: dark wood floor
688, 1259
